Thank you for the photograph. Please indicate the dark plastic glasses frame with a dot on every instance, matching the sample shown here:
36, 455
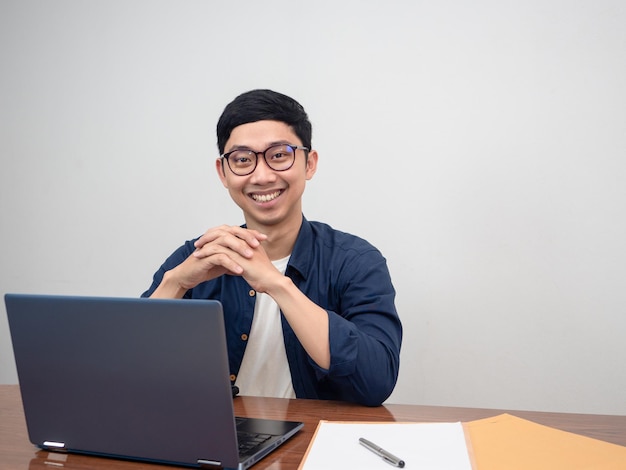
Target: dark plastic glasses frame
264, 153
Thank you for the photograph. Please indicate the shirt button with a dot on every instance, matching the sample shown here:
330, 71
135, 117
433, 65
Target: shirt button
232, 377
251, 293
244, 337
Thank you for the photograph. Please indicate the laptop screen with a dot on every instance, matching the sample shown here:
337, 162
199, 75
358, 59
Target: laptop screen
143, 379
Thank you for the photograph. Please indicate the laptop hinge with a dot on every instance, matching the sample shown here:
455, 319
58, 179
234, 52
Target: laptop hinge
54, 445
211, 464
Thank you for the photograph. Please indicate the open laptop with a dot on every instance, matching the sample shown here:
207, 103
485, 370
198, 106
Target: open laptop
139, 379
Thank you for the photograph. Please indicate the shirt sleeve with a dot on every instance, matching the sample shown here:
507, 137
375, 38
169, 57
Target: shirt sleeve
365, 333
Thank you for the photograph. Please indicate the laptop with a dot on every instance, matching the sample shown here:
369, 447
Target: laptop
133, 378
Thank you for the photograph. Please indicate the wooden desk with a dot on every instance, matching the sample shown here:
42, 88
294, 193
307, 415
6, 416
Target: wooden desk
17, 453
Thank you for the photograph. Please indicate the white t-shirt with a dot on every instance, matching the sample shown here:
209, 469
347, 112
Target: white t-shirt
264, 369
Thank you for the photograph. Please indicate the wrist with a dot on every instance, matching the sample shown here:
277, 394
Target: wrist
280, 287
170, 287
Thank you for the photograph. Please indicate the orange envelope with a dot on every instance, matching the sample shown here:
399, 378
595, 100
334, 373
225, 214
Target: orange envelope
506, 442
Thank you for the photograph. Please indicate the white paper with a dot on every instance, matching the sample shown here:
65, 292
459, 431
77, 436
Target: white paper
431, 446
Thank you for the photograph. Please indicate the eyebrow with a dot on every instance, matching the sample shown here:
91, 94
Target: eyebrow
246, 147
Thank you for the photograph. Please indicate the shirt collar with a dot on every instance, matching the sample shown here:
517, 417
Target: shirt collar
301, 256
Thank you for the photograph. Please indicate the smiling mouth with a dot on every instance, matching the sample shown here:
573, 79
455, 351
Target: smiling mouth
266, 197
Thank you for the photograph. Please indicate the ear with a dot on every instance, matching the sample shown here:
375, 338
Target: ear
311, 164
221, 171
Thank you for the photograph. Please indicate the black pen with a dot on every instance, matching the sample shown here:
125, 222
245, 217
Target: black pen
387, 457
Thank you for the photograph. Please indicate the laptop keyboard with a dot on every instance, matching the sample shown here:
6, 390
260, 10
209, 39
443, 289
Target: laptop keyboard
250, 442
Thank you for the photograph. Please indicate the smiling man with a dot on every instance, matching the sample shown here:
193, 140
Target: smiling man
309, 310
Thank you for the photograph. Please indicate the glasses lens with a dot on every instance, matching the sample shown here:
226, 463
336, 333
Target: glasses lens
242, 162
280, 157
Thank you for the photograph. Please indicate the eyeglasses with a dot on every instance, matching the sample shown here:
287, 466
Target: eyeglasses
278, 158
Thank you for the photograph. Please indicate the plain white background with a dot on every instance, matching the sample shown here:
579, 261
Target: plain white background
480, 145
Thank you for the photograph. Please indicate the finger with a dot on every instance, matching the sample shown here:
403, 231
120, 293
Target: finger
250, 236
227, 263
211, 235
234, 238
229, 246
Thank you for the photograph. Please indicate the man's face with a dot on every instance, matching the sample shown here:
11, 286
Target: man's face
267, 197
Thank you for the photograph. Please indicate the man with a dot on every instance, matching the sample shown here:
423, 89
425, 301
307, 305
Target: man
309, 310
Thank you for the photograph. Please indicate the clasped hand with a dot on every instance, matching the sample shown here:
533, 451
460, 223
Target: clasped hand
227, 250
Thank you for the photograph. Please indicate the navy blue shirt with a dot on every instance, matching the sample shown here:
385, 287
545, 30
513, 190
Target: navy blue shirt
346, 276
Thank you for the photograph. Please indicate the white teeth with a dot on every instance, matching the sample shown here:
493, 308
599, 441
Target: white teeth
265, 197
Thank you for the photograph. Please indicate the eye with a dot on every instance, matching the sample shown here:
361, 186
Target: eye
282, 152
241, 158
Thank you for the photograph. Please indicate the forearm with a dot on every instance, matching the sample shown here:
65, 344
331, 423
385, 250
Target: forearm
308, 321
169, 288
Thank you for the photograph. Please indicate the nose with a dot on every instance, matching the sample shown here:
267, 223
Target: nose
263, 172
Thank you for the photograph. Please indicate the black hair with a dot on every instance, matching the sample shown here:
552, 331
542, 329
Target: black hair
260, 105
